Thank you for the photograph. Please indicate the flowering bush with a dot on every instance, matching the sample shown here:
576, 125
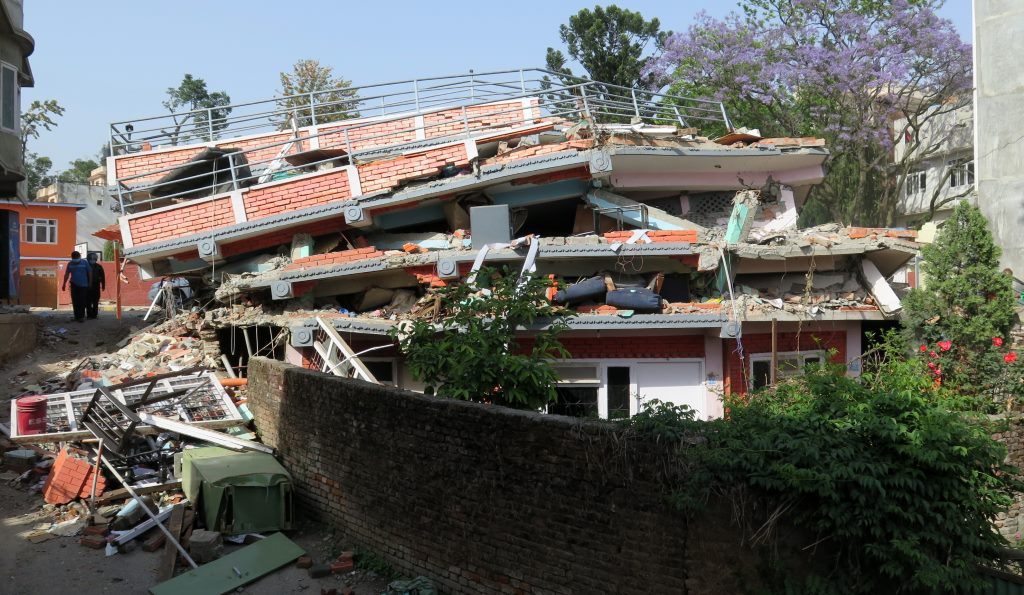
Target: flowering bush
993, 378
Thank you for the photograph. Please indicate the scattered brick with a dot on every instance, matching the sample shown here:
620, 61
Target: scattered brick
304, 562
96, 542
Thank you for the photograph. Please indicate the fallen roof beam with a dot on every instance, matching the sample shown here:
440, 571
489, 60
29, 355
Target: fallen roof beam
218, 438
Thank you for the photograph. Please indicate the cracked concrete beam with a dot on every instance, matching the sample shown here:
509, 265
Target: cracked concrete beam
656, 218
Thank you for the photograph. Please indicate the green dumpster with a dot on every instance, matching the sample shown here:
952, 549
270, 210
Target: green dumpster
247, 492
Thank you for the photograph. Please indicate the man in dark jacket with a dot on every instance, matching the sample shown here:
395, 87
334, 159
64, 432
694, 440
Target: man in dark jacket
80, 274
98, 284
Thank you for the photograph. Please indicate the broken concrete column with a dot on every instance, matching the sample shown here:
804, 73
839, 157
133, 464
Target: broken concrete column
205, 546
744, 208
887, 300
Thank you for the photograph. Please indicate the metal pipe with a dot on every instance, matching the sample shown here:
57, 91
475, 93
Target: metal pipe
173, 538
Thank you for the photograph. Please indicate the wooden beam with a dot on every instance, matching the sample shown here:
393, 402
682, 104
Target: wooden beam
170, 555
122, 494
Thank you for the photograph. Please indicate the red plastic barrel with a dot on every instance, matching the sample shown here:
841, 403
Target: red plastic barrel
31, 415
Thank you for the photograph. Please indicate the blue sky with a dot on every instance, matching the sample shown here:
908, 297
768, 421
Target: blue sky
114, 59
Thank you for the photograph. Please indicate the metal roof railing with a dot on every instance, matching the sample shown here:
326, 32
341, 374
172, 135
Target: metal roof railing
358, 108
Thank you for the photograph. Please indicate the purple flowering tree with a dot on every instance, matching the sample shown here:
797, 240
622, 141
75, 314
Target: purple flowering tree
867, 75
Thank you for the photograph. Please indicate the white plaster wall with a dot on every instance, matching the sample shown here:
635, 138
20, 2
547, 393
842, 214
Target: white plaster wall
999, 119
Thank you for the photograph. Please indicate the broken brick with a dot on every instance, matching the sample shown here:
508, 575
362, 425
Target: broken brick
101, 530
96, 542
343, 566
154, 543
304, 562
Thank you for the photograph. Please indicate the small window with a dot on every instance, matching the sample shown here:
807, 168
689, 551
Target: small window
9, 98
789, 365
618, 392
382, 370
40, 231
916, 182
961, 172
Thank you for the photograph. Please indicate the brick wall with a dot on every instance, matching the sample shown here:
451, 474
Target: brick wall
676, 346
735, 381
300, 193
388, 173
180, 221
1009, 523
364, 137
133, 293
487, 499
332, 258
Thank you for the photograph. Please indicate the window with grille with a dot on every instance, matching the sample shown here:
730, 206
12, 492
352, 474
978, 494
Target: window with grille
961, 172
916, 182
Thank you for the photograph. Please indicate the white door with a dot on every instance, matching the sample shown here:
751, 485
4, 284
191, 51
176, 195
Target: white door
679, 383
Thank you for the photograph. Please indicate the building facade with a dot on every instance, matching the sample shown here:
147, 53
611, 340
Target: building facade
47, 236
98, 208
679, 254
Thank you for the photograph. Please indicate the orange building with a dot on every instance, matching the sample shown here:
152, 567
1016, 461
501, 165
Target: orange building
47, 238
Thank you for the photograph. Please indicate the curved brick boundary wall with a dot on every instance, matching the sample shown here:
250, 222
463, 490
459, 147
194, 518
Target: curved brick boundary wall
486, 499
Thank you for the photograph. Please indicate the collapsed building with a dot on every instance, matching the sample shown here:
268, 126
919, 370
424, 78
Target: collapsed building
321, 223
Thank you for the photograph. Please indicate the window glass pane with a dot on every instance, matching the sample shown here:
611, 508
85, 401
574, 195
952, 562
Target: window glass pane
8, 98
762, 370
382, 371
618, 392
575, 401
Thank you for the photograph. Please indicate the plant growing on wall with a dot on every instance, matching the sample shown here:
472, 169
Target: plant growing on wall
966, 303
893, 487
471, 352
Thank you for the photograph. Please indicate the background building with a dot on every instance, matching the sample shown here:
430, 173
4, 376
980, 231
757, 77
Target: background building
999, 133
96, 212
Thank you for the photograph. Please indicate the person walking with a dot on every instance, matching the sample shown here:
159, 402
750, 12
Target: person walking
97, 284
80, 274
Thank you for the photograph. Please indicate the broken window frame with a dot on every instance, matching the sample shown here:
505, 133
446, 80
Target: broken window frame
394, 369
799, 369
961, 172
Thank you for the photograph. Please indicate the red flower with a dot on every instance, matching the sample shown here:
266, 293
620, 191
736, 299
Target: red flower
924, 348
945, 345
997, 341
931, 365
933, 354
1010, 357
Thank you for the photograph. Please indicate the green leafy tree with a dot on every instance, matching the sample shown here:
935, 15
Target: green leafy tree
196, 112
609, 43
37, 173
470, 353
891, 485
110, 248
966, 300
79, 171
40, 116
333, 98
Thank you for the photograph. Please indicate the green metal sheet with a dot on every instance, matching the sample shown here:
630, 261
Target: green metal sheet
245, 492
234, 570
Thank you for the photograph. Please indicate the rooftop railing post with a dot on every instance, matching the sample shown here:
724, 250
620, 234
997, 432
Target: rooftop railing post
348, 147
586, 104
522, 81
636, 106
416, 94
209, 121
465, 121
312, 109
472, 85
231, 166
725, 118
383, 110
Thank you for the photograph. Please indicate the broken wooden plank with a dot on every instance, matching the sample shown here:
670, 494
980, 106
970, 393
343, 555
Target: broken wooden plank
235, 569
122, 494
170, 555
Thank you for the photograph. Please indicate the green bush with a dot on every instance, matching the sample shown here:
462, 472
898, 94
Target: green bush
470, 353
887, 473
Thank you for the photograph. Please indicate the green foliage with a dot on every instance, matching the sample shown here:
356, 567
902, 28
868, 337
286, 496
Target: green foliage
39, 117
470, 353
966, 300
37, 173
79, 171
334, 98
886, 476
198, 114
609, 43
110, 248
